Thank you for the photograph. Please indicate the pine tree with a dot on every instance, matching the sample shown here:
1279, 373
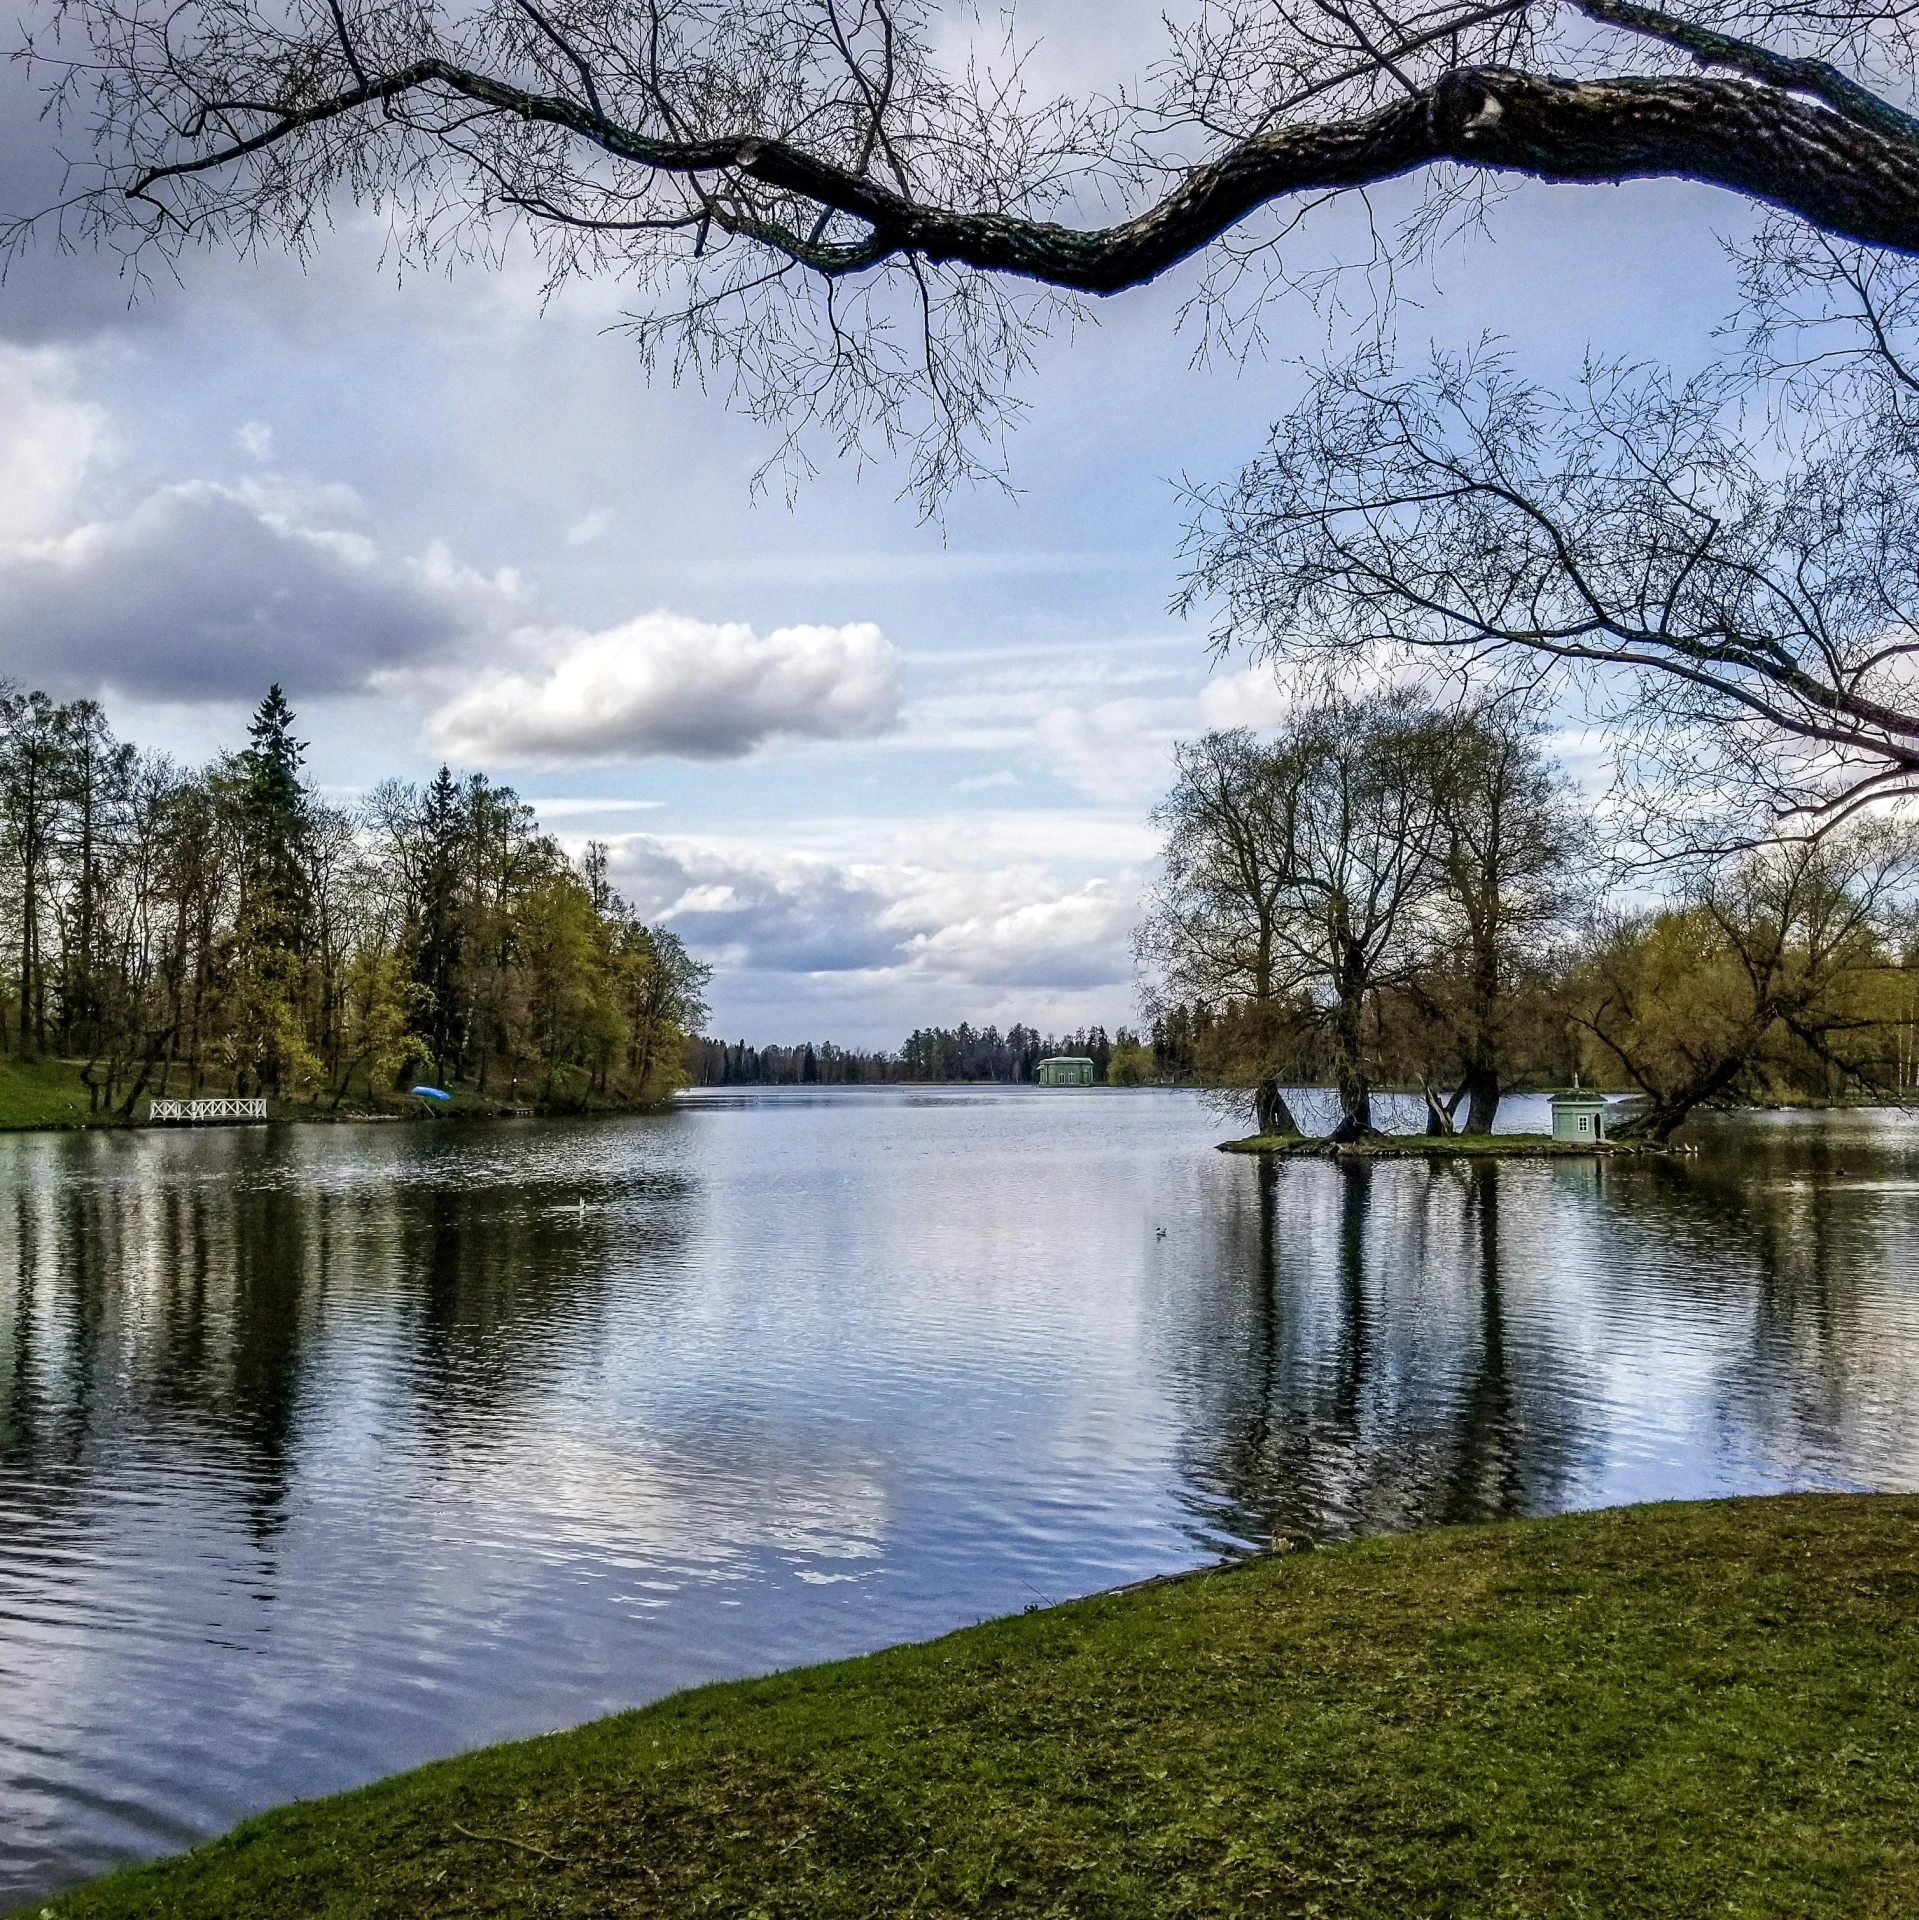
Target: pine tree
267, 1005
442, 930
273, 804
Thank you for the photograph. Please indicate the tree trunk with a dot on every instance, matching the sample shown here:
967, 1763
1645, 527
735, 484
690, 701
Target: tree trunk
152, 1058
1355, 1091
1482, 1099
1271, 1114
1661, 1118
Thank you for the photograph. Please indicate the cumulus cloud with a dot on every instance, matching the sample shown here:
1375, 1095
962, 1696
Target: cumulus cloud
771, 910
201, 588
204, 589
668, 684
953, 906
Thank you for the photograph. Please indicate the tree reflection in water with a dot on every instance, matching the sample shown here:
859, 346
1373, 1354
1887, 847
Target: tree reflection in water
1386, 1344
1372, 1386
322, 1452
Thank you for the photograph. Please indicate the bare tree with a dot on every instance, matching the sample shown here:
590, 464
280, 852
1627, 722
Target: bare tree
1508, 847
859, 211
1213, 933
1362, 869
35, 773
1747, 621
1300, 878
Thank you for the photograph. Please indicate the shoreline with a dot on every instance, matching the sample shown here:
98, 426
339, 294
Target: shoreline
295, 1114
48, 1096
1441, 1146
1631, 1711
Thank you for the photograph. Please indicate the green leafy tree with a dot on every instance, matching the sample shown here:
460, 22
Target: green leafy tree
1770, 969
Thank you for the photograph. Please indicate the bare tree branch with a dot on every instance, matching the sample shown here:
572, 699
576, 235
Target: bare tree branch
1753, 633
692, 148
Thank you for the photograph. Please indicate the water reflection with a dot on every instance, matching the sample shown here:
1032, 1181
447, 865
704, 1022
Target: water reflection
323, 1451
1393, 1344
1364, 1377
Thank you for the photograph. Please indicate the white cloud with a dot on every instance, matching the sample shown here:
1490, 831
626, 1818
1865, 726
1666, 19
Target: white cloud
1117, 750
574, 806
970, 915
1253, 697
201, 590
1121, 750
1032, 933
668, 684
1103, 721
204, 590
50, 440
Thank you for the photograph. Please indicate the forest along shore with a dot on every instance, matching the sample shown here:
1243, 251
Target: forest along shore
227, 931
1616, 1712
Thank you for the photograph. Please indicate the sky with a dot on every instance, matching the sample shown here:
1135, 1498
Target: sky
881, 772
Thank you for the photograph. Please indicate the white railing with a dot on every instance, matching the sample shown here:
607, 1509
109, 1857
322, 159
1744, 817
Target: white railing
191, 1111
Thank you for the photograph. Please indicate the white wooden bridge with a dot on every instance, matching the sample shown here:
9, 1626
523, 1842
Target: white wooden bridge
197, 1112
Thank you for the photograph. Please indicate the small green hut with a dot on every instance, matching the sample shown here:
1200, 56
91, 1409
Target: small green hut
1579, 1115
1066, 1070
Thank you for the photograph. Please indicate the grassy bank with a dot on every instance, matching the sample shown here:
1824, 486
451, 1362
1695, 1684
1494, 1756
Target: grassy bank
1481, 1146
1678, 1710
51, 1093
42, 1093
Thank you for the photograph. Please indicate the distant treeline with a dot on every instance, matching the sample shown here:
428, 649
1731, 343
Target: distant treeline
176, 929
962, 1053
721, 1063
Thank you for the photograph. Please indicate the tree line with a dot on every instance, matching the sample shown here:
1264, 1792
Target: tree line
1388, 892
928, 1055
173, 929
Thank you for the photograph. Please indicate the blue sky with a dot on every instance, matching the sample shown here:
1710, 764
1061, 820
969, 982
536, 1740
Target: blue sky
882, 773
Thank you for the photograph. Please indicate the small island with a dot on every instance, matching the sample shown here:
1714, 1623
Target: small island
1580, 1126
1470, 1146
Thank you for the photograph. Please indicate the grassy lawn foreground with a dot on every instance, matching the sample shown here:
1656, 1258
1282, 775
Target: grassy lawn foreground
1682, 1710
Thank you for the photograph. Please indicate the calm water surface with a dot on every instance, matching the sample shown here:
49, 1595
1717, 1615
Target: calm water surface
324, 1451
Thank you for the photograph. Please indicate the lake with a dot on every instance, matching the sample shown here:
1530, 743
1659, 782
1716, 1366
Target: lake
324, 1451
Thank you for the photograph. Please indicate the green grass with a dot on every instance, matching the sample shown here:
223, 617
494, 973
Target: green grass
43, 1093
51, 1093
1677, 1710
1493, 1146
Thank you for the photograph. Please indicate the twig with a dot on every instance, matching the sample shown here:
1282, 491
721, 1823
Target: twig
507, 1840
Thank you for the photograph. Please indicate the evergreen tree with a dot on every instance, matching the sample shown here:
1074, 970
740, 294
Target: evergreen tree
441, 933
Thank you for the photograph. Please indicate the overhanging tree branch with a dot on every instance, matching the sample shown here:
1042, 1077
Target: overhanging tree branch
1841, 171
864, 214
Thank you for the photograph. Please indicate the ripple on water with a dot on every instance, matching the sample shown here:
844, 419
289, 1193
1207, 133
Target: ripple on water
323, 1451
